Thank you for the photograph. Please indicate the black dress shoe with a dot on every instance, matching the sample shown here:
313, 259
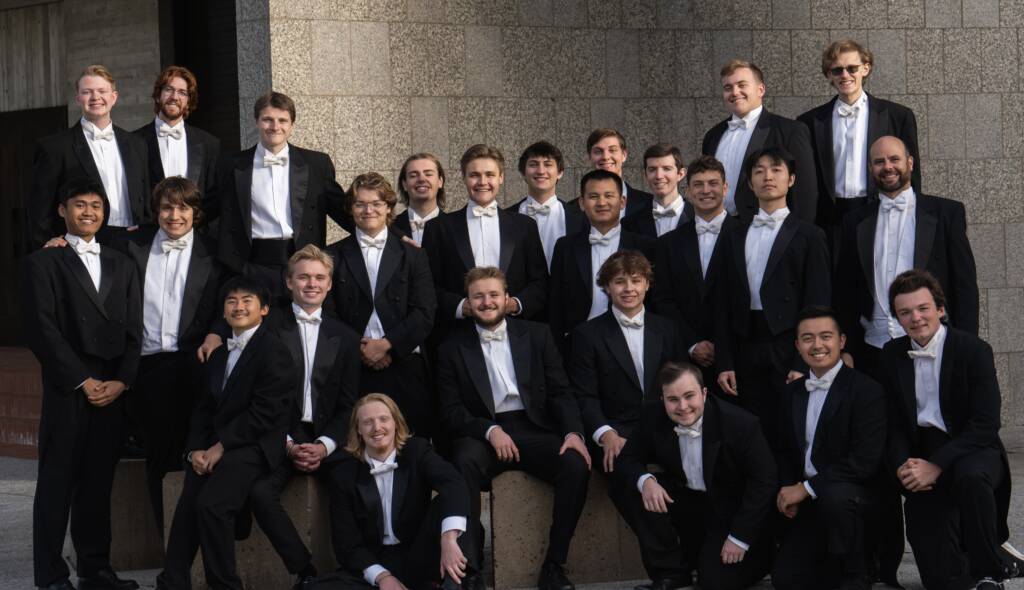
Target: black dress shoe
667, 583
304, 582
552, 577
1015, 560
989, 584
473, 581
106, 580
64, 584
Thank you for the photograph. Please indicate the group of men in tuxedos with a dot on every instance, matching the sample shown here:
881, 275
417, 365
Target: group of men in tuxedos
786, 327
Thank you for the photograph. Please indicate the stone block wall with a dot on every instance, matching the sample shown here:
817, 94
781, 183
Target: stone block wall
376, 80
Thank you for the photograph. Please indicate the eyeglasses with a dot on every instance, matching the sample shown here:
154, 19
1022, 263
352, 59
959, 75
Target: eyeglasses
375, 205
173, 90
838, 70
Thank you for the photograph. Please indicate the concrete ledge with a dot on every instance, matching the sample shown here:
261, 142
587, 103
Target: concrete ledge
259, 566
603, 549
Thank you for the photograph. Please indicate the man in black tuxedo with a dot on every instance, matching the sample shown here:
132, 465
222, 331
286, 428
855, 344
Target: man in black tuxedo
384, 292
607, 150
541, 166
507, 404
716, 489
238, 431
93, 149
482, 234
83, 319
664, 169
326, 352
175, 147
388, 530
844, 128
274, 198
691, 260
752, 128
574, 296
832, 437
421, 186
943, 441
777, 265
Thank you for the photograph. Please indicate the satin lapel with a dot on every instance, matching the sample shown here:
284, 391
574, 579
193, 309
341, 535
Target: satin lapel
81, 274
461, 239
687, 243
327, 346
107, 270
946, 375
924, 233
834, 399
200, 265
196, 154
519, 344
800, 400
581, 251
652, 354
508, 240
291, 337
139, 252
399, 483
389, 259
218, 364
739, 240
243, 188
823, 139
905, 374
243, 360
367, 487
866, 246
353, 256
782, 240
616, 341
132, 169
476, 366
81, 148
710, 445
759, 136
298, 186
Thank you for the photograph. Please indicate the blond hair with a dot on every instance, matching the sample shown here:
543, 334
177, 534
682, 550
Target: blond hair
100, 71
310, 252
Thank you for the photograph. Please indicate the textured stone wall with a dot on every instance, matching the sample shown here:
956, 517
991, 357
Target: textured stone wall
378, 79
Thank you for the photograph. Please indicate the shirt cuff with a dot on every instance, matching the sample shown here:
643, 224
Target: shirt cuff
288, 438
739, 543
690, 350
640, 482
520, 304
599, 433
81, 384
453, 523
370, 574
810, 490
329, 444
458, 309
487, 435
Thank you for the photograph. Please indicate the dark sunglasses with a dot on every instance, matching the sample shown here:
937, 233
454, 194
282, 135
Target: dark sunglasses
838, 70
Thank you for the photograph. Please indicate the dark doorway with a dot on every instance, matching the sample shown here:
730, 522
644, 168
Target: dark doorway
17, 145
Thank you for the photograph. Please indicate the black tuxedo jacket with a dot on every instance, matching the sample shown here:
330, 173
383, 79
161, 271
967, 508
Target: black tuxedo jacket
642, 221
65, 156
798, 275
201, 307
849, 439
402, 226
570, 292
681, 291
359, 517
75, 331
203, 151
968, 397
313, 192
254, 406
575, 219
405, 300
774, 131
739, 470
940, 246
884, 118
467, 404
446, 241
602, 372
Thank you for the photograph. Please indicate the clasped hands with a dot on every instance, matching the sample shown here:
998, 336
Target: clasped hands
306, 457
102, 393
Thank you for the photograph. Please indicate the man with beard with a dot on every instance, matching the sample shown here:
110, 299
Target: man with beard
421, 186
175, 147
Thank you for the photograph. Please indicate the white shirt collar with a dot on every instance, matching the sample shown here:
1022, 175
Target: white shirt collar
413, 215
262, 151
161, 236
716, 220
907, 192
611, 233
480, 329
391, 458
860, 102
751, 117
360, 234
829, 375
296, 309
72, 239
161, 123
676, 205
621, 316
91, 128
779, 214
935, 343
550, 201
246, 335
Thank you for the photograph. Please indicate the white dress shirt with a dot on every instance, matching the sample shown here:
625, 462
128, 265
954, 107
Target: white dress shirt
633, 331
501, 372
243, 339
484, 235
731, 149
173, 150
817, 393
371, 258
707, 237
309, 335
417, 223
550, 218
601, 247
90, 258
849, 147
667, 218
164, 291
895, 232
625, 199
271, 202
107, 156
757, 249
926, 381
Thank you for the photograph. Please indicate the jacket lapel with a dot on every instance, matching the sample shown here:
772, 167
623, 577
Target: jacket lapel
107, 270
298, 186
711, 443
243, 188
833, 400
877, 118
652, 354
399, 483
581, 250
866, 245
371, 497
461, 238
924, 232
688, 244
81, 148
389, 259
519, 344
800, 399
132, 169
218, 364
946, 375
81, 274
200, 265
353, 257
779, 247
757, 138
196, 156
908, 386
616, 342
323, 362
476, 366
291, 337
243, 359
739, 239
508, 240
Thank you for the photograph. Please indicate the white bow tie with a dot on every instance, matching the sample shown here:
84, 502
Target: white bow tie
601, 240
236, 343
899, 203
383, 468
107, 135
532, 209
764, 221
417, 224
178, 244
848, 111
708, 228
930, 351
175, 132
271, 160
368, 242
488, 211
687, 431
737, 124
83, 247
492, 335
658, 213
813, 384
307, 318
631, 322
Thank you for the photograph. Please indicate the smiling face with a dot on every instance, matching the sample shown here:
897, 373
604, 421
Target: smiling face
376, 428
918, 315
891, 166
770, 182
176, 219
819, 343
483, 178
422, 182
608, 154
309, 282
706, 192
275, 127
243, 311
487, 299
83, 215
663, 176
742, 92
542, 176
684, 400
849, 86
174, 99
371, 213
627, 293
96, 96
601, 202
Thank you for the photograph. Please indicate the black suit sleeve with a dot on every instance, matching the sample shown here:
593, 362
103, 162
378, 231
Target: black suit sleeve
758, 465
560, 398
446, 480
583, 372
533, 295
963, 273
804, 193
333, 197
867, 439
133, 328
55, 354
433, 244
982, 427
42, 199
414, 328
268, 400
638, 452
897, 444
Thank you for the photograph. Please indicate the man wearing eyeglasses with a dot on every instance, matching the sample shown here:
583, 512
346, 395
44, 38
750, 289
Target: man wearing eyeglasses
844, 128
175, 147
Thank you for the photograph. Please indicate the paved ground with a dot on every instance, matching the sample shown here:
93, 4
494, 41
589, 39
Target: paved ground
17, 486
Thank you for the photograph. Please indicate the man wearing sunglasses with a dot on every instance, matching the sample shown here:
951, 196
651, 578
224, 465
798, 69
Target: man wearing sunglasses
844, 128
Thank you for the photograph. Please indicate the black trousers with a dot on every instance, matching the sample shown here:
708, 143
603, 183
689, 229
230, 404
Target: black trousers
825, 541
161, 402
407, 381
952, 528
762, 364
205, 517
538, 456
78, 453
